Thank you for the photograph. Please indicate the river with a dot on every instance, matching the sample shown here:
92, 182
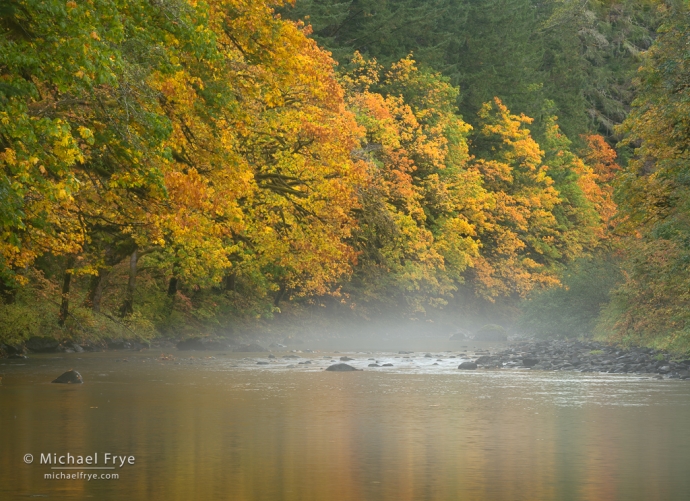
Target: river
221, 427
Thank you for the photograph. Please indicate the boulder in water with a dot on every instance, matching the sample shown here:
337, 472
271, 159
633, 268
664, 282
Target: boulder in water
467, 366
69, 377
341, 368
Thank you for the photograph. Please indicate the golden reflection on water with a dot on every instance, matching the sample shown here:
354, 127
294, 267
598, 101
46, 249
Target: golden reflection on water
207, 432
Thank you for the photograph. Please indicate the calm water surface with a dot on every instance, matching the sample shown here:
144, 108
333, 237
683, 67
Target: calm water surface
225, 428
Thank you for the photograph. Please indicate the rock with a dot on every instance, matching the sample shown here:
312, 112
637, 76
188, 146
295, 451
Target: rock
341, 368
77, 348
346, 359
17, 356
250, 348
405, 352
308, 362
484, 359
38, 344
290, 356
467, 366
387, 365
271, 356
69, 377
373, 365
262, 363
529, 362
428, 355
12, 350
491, 332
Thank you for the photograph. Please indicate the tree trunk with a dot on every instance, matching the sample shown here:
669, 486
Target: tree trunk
128, 304
279, 295
172, 286
230, 282
64, 305
97, 282
93, 298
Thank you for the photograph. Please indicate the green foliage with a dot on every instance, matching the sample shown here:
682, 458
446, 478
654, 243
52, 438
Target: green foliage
491, 332
651, 306
591, 52
571, 310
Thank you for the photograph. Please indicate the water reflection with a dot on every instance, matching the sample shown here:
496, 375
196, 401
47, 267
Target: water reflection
207, 430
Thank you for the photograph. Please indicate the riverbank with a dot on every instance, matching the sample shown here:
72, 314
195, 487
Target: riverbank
586, 356
545, 355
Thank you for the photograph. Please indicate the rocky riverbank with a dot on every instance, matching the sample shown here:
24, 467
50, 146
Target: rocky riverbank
580, 356
585, 356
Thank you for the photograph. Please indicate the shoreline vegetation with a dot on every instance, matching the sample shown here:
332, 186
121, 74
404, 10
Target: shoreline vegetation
242, 169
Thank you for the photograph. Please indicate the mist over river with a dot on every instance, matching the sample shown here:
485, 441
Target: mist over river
211, 426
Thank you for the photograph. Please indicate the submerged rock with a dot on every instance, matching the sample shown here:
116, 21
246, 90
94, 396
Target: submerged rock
467, 366
69, 377
373, 365
341, 368
387, 365
346, 359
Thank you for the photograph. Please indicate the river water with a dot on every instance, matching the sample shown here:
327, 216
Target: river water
226, 428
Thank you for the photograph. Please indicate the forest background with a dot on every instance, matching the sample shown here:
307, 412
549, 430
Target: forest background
181, 168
